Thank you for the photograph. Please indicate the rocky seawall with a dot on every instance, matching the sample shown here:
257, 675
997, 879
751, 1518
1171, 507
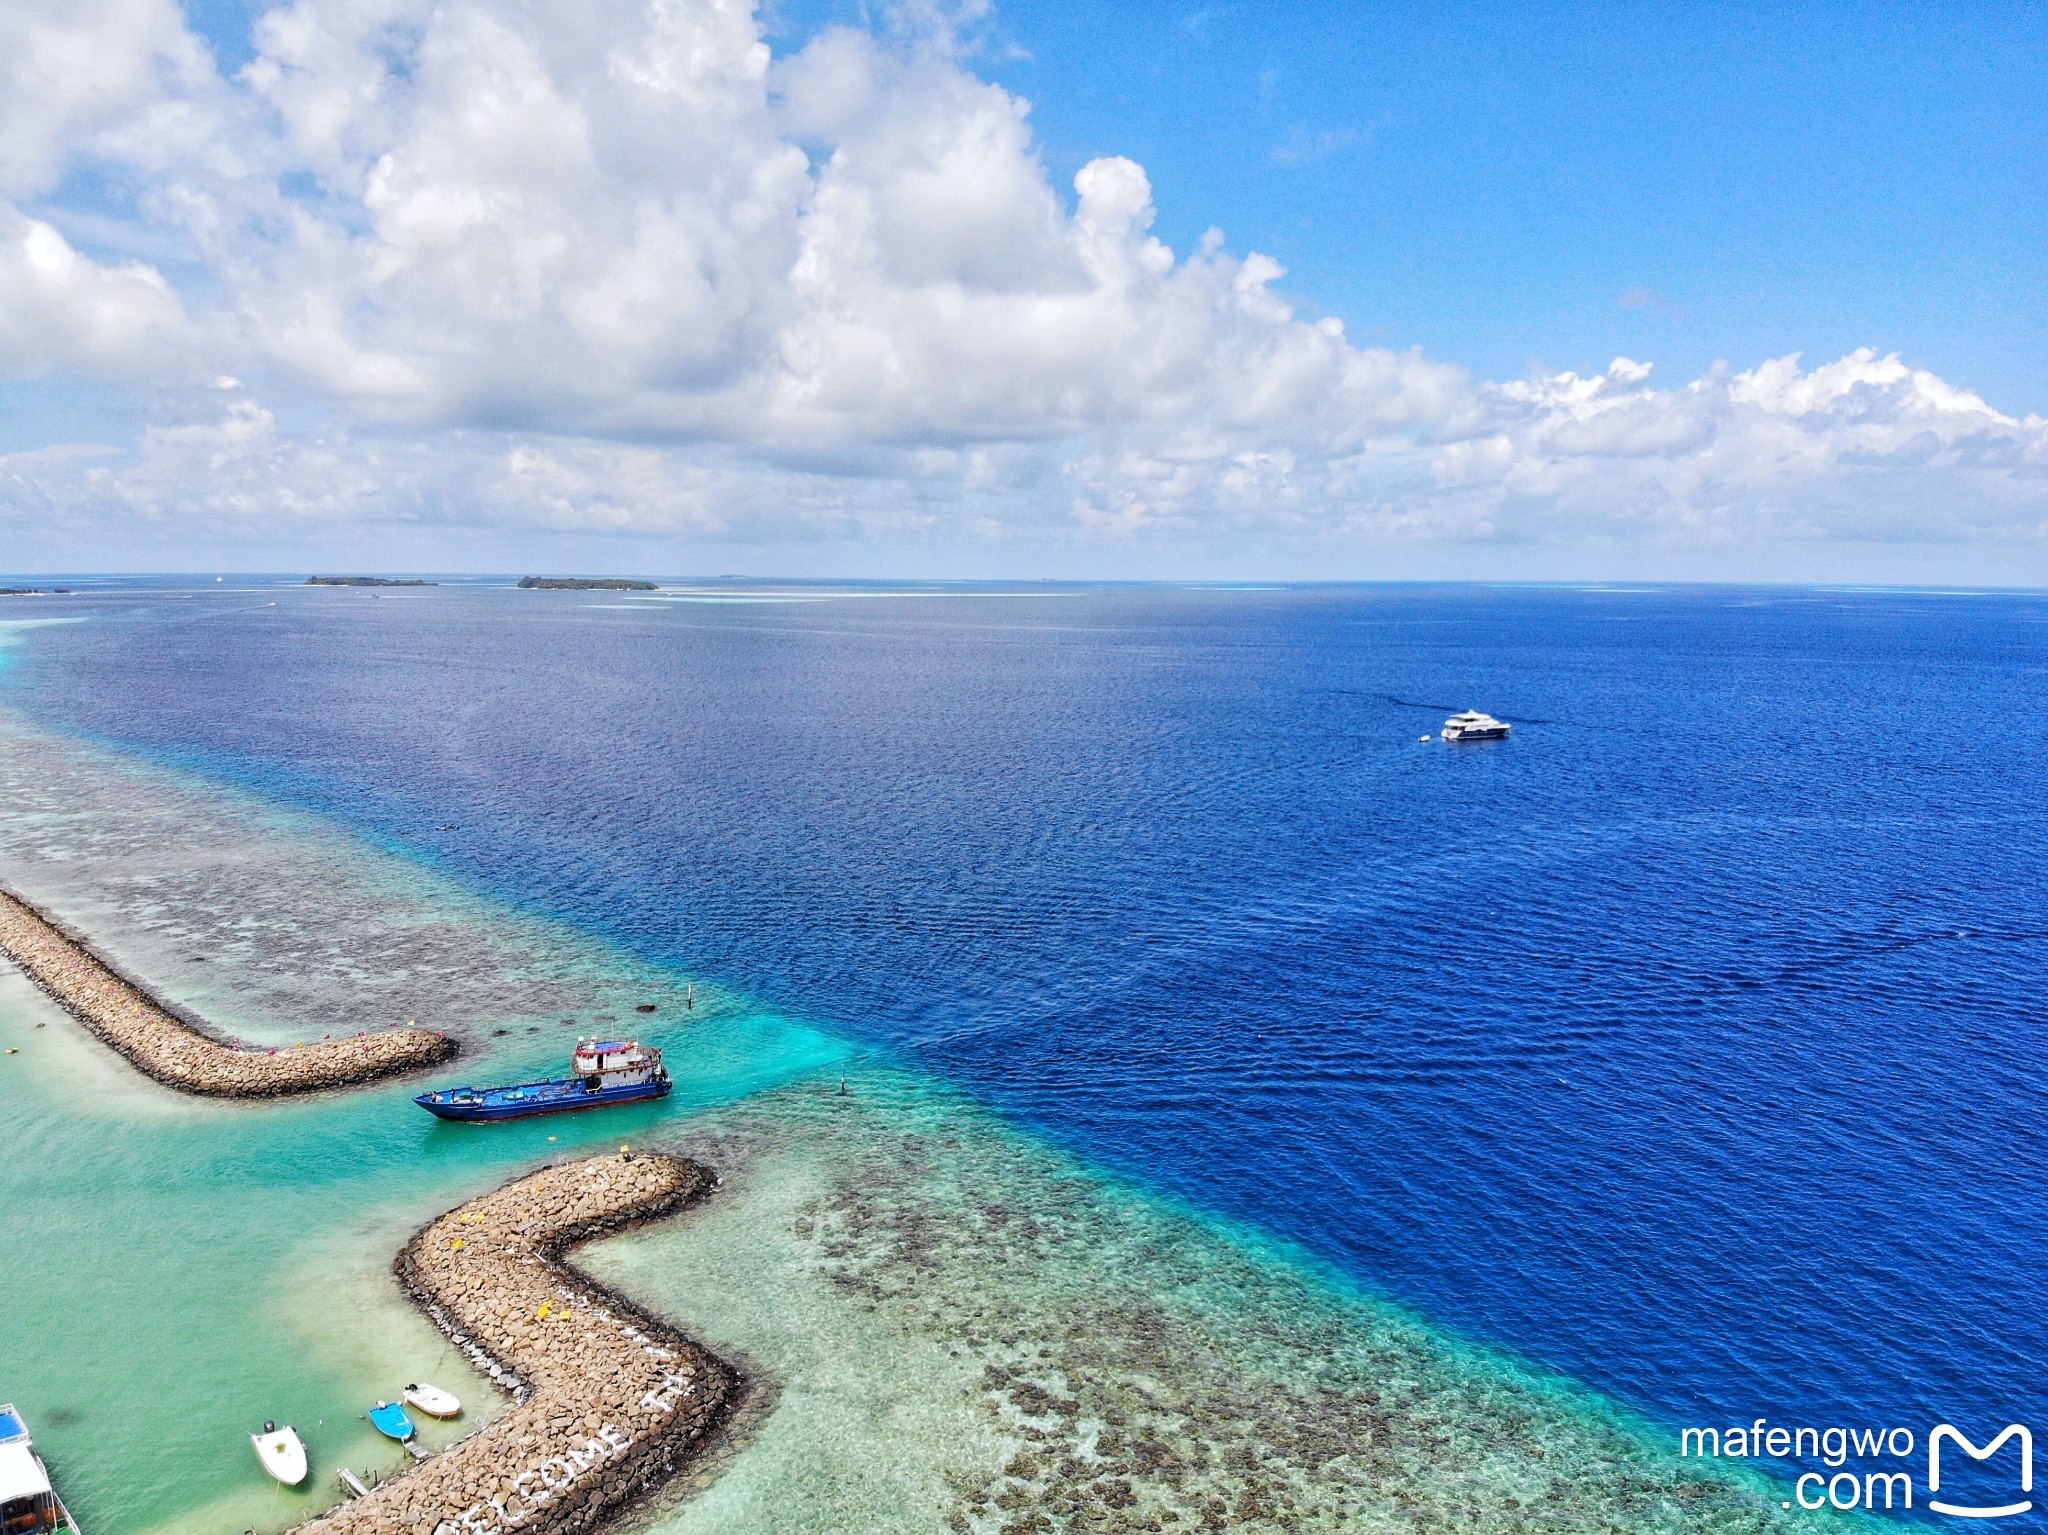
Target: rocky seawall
169, 1046
611, 1402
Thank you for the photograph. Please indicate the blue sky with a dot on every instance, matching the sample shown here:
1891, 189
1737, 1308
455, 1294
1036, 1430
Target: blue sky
1509, 210
1507, 183
1502, 184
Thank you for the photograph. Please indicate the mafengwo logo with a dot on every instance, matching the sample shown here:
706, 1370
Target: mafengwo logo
1888, 1484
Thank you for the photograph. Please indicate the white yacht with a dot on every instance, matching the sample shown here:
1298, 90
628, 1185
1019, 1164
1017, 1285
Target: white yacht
1474, 726
28, 1503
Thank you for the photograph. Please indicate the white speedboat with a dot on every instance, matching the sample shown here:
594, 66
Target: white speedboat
1474, 726
282, 1453
432, 1400
28, 1502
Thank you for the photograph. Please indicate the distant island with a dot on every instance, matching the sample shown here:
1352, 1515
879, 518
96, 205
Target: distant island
364, 581
583, 584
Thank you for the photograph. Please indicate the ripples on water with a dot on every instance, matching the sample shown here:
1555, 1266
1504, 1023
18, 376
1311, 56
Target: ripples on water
1687, 1041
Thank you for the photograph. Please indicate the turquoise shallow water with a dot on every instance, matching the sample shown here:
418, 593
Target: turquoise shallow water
180, 1269
952, 1326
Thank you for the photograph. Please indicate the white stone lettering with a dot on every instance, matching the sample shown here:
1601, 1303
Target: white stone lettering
674, 1384
556, 1483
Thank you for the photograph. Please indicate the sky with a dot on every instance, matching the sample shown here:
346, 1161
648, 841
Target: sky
1728, 292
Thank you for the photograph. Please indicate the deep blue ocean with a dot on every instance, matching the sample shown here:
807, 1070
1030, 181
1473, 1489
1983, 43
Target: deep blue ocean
1689, 1042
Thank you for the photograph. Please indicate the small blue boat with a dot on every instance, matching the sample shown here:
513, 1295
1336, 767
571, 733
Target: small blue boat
606, 1071
392, 1421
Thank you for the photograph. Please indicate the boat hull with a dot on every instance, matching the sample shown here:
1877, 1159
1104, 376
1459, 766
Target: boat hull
432, 1401
526, 1099
282, 1454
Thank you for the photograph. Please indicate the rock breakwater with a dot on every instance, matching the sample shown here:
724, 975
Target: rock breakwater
169, 1045
611, 1402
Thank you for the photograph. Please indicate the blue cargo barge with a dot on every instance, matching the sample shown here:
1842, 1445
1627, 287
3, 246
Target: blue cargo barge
606, 1071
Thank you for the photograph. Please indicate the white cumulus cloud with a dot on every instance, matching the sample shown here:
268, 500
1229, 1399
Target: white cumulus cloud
61, 311
612, 266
